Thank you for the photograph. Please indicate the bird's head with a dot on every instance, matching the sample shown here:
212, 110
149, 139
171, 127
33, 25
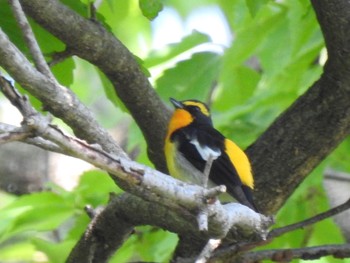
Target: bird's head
192, 111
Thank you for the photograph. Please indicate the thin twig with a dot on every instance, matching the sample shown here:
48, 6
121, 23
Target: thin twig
93, 212
92, 14
29, 37
208, 250
14, 136
212, 193
58, 57
15, 98
336, 175
307, 253
331, 212
202, 217
207, 169
36, 141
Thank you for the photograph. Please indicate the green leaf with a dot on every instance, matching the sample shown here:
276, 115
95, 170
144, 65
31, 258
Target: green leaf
17, 252
190, 79
36, 212
157, 57
10, 26
149, 244
150, 249
251, 37
255, 5
81, 7
301, 15
237, 86
81, 222
338, 160
64, 72
35, 199
150, 8
6, 199
94, 188
184, 8
110, 91
47, 42
56, 252
236, 12
141, 64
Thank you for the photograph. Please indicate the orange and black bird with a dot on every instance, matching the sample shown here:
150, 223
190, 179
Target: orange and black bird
192, 140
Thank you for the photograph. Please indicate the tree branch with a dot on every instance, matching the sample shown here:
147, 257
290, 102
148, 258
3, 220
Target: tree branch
208, 250
314, 125
92, 42
308, 253
14, 135
34, 48
100, 242
39, 142
59, 100
331, 212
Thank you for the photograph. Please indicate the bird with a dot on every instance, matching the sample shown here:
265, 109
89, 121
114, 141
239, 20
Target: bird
192, 140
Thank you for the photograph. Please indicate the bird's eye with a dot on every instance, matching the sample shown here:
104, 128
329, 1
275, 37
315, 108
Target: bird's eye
197, 109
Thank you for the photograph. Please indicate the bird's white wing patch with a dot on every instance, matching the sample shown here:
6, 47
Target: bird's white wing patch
205, 151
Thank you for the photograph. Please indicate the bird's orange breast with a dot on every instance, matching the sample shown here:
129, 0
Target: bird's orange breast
180, 119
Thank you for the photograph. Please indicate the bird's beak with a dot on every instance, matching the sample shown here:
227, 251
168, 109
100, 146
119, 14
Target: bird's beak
177, 104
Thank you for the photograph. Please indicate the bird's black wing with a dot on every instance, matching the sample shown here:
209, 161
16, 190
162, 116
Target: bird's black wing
224, 172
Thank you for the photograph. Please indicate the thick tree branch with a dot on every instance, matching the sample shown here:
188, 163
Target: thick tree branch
314, 125
334, 19
137, 211
9, 130
59, 100
100, 242
92, 42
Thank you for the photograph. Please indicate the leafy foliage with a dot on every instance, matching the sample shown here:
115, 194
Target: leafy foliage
268, 64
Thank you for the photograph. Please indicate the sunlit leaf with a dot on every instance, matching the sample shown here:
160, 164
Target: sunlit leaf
238, 85
146, 246
249, 38
255, 5
190, 79
110, 91
150, 8
35, 212
17, 250
94, 187
157, 57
